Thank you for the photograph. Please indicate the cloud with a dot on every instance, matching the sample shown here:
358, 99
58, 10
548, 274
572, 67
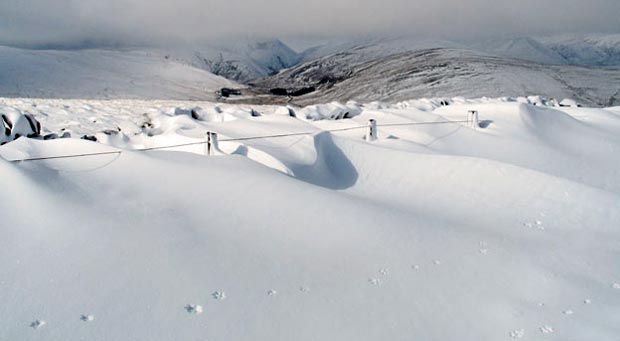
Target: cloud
35, 22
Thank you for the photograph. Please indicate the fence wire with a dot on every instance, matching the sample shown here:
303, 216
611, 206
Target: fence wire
236, 139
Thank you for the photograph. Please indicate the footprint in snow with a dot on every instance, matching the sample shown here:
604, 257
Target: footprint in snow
219, 295
415, 267
437, 262
517, 334
546, 329
616, 286
484, 251
304, 289
194, 309
587, 301
36, 324
384, 272
568, 312
87, 318
272, 293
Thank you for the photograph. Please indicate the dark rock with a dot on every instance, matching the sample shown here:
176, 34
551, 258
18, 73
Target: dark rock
279, 92
227, 92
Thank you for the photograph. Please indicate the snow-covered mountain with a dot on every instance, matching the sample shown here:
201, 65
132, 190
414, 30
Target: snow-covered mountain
97, 73
443, 73
593, 49
584, 50
189, 72
524, 48
240, 61
363, 69
370, 48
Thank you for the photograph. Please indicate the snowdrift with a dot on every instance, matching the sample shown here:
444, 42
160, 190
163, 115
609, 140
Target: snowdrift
436, 232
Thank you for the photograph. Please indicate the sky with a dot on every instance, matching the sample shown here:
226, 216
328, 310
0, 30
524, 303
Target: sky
147, 22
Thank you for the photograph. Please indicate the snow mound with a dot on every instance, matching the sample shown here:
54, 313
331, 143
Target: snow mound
507, 226
331, 111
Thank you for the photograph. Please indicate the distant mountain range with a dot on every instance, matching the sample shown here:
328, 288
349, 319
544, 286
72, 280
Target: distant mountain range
442, 72
582, 67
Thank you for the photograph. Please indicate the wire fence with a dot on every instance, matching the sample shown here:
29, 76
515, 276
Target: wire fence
235, 139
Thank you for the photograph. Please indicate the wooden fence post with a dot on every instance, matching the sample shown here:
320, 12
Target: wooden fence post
371, 132
473, 119
212, 146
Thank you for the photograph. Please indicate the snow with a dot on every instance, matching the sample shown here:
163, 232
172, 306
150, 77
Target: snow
523, 48
442, 73
103, 74
586, 49
431, 232
574, 49
238, 60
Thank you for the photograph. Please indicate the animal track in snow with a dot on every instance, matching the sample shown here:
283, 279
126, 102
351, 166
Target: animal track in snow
483, 247
536, 224
415, 267
194, 309
36, 324
587, 301
304, 289
568, 312
616, 286
219, 295
384, 272
272, 293
517, 334
374, 281
437, 262
87, 318
546, 329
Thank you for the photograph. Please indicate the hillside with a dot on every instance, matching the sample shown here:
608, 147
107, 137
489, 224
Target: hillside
102, 74
592, 49
240, 61
443, 73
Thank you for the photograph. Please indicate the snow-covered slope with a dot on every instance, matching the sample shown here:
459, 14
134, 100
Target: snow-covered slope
443, 73
585, 50
523, 48
593, 49
370, 48
102, 74
240, 61
433, 232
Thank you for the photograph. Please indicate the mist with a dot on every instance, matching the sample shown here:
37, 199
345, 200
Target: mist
121, 22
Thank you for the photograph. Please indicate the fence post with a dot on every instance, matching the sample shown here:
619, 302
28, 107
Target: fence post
215, 145
212, 145
371, 132
208, 144
473, 119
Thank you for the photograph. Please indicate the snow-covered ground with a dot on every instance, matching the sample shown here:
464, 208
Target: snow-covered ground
432, 232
